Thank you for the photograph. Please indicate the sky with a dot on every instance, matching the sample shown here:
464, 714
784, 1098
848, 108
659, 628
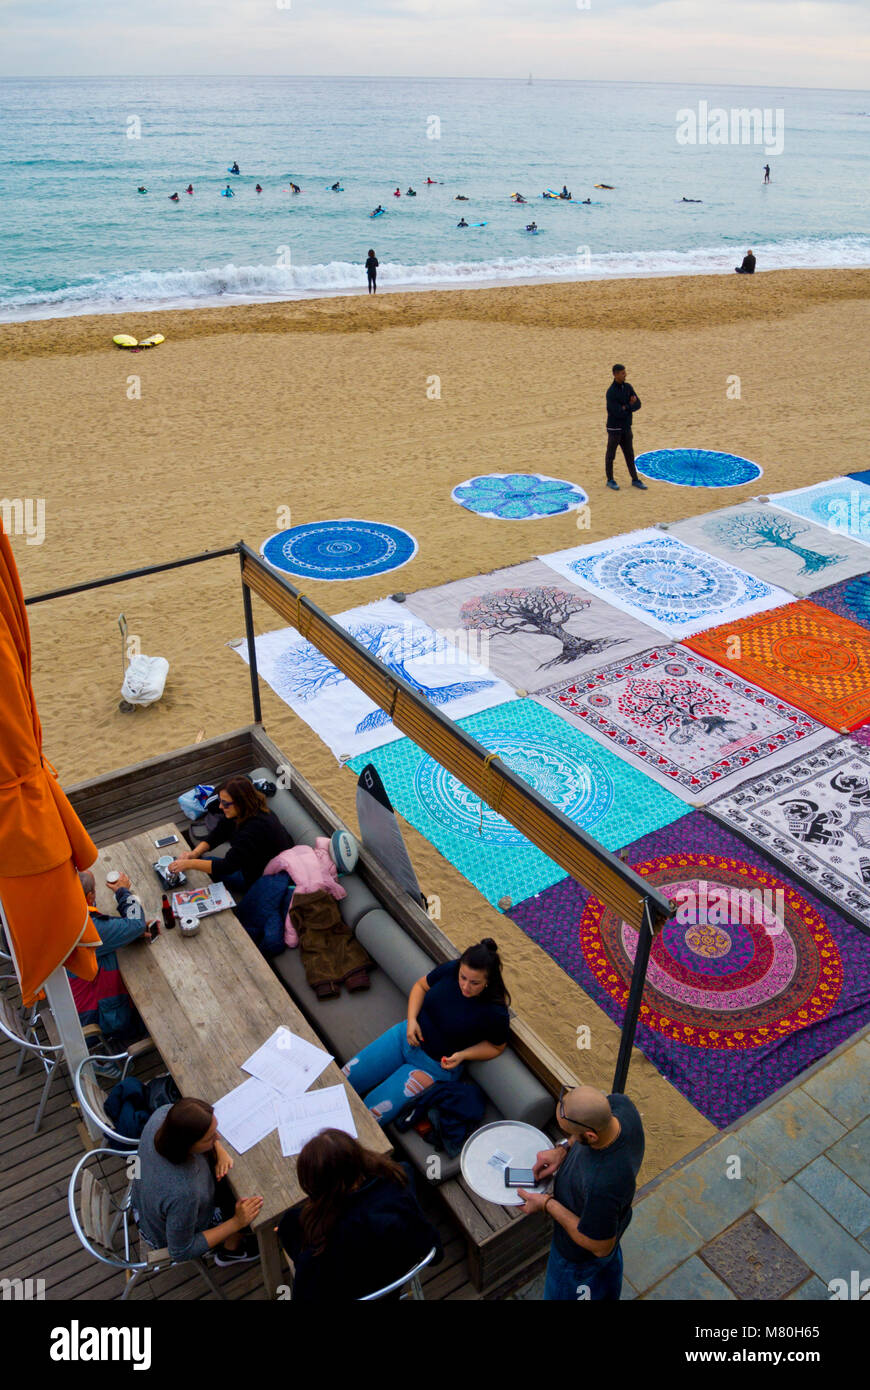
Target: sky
789, 43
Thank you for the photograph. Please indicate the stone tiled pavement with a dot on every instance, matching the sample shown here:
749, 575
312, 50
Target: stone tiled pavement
775, 1207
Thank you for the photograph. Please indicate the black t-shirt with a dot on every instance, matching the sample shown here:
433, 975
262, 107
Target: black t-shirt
449, 1022
371, 264
252, 845
598, 1185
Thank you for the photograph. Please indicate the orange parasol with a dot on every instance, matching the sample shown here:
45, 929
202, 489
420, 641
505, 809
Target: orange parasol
42, 841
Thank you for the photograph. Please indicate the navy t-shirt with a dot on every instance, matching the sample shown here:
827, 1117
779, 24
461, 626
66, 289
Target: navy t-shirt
598, 1185
449, 1022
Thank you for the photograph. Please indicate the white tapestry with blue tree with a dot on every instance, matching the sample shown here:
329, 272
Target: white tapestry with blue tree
447, 668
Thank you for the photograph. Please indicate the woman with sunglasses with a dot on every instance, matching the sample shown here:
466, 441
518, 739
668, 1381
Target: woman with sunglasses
254, 832
595, 1170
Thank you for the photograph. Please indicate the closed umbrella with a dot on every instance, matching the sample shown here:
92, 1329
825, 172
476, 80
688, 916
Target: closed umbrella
42, 841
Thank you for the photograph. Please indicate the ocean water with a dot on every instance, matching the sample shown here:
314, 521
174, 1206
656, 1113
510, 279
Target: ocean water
76, 237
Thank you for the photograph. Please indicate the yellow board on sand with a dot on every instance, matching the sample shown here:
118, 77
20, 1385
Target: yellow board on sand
124, 340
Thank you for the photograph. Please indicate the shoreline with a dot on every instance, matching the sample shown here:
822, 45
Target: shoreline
602, 302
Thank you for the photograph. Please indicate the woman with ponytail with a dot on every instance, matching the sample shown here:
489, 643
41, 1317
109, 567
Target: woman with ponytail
457, 1013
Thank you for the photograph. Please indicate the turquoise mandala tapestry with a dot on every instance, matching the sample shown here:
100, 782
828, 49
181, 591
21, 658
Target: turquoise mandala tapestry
592, 786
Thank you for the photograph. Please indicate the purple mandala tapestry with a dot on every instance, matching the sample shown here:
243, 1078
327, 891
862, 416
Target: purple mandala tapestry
752, 981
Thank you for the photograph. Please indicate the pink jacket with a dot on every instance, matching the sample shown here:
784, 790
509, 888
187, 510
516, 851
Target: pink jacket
312, 871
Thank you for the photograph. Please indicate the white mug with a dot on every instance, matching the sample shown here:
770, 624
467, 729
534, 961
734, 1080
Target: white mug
112, 878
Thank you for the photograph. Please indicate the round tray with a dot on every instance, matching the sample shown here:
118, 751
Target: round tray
514, 1137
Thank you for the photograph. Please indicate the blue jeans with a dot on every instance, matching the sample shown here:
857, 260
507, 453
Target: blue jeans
567, 1281
390, 1072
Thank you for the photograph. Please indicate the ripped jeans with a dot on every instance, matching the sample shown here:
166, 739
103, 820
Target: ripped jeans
389, 1072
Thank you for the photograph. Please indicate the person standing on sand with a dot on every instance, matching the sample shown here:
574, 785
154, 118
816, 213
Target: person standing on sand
372, 271
621, 405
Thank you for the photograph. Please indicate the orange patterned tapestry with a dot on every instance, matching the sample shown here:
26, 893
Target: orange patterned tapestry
802, 653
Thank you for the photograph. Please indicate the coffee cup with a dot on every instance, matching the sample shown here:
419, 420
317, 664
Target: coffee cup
112, 878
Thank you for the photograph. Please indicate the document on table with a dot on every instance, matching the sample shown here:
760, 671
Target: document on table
287, 1063
247, 1114
301, 1117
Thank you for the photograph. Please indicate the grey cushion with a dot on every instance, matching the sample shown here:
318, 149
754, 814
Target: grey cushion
297, 821
395, 952
516, 1091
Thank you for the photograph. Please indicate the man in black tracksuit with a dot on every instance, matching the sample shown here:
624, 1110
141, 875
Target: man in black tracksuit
621, 405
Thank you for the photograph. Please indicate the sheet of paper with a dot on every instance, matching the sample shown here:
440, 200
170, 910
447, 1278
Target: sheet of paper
246, 1115
499, 1159
301, 1117
287, 1063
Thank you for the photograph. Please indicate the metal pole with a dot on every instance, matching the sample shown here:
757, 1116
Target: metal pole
632, 1008
67, 1021
132, 574
252, 646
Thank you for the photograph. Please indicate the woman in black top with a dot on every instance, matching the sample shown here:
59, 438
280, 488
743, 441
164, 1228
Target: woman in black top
255, 834
372, 272
360, 1227
457, 1013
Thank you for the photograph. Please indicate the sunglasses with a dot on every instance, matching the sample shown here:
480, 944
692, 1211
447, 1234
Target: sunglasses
581, 1124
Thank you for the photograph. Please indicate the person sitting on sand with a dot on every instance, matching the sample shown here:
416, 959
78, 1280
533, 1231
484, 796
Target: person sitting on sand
747, 265
462, 222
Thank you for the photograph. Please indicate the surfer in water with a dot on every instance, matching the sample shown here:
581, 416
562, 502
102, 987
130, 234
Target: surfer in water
587, 202
141, 188
398, 193
294, 188
173, 197
564, 193
377, 210
411, 193
228, 192
431, 180
691, 200
258, 189
460, 198
234, 168
336, 187
462, 222
189, 188
531, 227
767, 173
372, 271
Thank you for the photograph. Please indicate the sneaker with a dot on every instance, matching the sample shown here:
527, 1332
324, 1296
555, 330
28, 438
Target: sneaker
245, 1254
636, 482
110, 1070
614, 486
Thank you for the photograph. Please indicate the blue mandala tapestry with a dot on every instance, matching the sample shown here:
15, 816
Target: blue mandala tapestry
697, 468
611, 800
518, 496
842, 505
343, 549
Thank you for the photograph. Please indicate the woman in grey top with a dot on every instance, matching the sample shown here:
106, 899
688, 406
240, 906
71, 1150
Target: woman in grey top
181, 1199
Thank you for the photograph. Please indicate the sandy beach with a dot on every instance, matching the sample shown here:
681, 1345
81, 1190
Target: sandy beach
251, 418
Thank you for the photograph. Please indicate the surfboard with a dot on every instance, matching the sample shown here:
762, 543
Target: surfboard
330, 189
380, 833
153, 341
380, 212
227, 193
125, 341
236, 172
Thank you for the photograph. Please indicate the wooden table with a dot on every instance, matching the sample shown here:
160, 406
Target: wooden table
208, 1002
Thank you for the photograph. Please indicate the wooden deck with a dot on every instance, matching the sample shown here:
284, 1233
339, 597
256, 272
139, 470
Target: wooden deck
37, 1240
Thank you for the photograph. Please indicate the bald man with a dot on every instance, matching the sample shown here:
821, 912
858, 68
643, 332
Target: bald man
595, 1170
